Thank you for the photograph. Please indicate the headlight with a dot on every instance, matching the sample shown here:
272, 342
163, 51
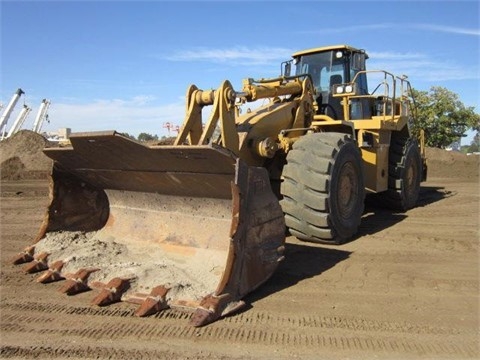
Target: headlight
348, 88
339, 90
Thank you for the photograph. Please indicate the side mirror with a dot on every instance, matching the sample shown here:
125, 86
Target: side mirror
358, 61
287, 68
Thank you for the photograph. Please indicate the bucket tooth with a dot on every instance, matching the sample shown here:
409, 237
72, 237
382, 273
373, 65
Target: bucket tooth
233, 307
213, 307
202, 317
39, 263
112, 292
77, 282
25, 256
154, 302
52, 274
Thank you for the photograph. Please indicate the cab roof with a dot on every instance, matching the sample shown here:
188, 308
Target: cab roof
325, 48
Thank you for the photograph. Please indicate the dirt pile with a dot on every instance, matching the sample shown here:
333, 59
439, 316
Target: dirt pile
21, 157
452, 164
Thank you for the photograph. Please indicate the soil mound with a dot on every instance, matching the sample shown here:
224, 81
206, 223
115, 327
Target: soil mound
451, 164
21, 157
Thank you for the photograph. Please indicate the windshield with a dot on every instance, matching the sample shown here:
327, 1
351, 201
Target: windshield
324, 68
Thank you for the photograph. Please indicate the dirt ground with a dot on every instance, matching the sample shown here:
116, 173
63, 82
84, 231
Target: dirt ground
407, 287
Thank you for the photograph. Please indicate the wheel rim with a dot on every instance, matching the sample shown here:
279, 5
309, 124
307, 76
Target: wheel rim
347, 190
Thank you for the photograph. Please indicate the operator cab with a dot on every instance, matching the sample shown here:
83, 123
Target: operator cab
330, 66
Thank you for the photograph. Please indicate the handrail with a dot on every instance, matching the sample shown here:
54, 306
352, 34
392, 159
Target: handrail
389, 83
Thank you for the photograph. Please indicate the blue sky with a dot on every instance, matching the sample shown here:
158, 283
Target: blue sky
126, 65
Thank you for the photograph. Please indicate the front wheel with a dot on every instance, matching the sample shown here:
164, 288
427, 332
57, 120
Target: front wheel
323, 190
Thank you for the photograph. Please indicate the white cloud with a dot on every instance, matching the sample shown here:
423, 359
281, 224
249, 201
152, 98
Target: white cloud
135, 115
447, 29
239, 55
343, 29
394, 55
421, 67
398, 26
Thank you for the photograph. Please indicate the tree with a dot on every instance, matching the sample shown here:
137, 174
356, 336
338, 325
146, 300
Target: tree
443, 117
128, 135
147, 137
475, 144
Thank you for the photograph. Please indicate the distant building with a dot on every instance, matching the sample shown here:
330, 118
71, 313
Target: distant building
63, 134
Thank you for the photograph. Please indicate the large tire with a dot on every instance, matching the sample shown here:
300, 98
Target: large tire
404, 174
323, 190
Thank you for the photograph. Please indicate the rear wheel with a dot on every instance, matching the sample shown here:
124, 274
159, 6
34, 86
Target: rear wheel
323, 191
404, 174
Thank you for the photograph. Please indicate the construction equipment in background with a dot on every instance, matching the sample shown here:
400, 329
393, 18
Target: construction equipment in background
169, 126
8, 111
42, 115
17, 125
201, 223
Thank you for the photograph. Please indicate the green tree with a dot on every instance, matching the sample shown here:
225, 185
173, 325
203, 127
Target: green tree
443, 117
128, 135
475, 144
147, 137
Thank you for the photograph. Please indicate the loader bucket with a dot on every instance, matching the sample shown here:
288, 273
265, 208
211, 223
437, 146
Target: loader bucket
159, 226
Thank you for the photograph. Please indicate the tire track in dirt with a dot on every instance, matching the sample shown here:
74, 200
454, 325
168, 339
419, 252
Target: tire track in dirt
93, 352
356, 344
259, 318
348, 334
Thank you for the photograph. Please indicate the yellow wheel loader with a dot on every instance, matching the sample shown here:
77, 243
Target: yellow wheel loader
201, 223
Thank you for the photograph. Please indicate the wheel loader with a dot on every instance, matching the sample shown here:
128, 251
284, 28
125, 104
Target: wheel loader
199, 224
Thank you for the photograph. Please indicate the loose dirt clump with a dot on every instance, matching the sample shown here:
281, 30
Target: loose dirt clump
21, 157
